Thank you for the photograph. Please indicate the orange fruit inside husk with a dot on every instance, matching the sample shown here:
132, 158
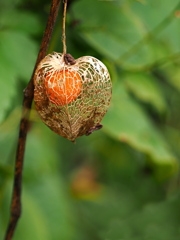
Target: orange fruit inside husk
63, 87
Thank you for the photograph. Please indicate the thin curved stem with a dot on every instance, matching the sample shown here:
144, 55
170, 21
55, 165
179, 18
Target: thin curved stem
64, 28
24, 125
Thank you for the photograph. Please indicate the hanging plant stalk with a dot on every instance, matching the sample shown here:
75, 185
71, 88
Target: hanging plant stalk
15, 211
71, 96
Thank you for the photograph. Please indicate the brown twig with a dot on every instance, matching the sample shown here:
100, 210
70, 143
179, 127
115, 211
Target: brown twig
24, 123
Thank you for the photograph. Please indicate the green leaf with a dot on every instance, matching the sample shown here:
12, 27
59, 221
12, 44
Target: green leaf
33, 224
106, 43
145, 87
7, 88
18, 52
110, 34
171, 73
156, 221
153, 13
9, 132
44, 157
131, 35
127, 122
47, 208
169, 35
119, 201
25, 22
53, 200
47, 186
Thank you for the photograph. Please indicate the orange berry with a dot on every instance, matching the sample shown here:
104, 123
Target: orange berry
63, 87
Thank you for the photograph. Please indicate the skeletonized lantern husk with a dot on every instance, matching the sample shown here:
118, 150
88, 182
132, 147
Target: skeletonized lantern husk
72, 98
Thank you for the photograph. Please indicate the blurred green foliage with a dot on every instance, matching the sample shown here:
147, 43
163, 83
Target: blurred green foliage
120, 183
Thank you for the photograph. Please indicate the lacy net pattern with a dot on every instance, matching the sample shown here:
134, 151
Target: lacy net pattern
71, 99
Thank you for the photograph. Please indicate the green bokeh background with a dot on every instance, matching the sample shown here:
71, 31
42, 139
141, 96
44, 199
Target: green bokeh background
122, 182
